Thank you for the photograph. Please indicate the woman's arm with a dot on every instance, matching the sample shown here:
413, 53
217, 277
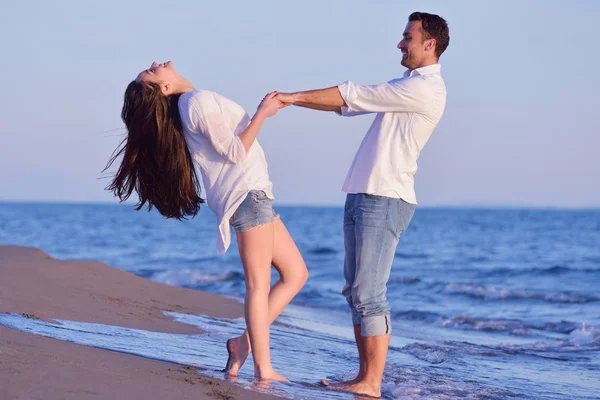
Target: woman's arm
216, 129
267, 108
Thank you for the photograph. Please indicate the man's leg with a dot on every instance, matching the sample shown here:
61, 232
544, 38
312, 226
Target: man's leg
349, 273
362, 354
349, 276
362, 370
379, 221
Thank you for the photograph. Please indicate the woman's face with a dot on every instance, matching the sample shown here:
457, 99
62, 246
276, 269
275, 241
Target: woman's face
158, 73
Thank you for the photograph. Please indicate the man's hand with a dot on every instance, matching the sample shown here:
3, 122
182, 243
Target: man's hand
328, 99
286, 98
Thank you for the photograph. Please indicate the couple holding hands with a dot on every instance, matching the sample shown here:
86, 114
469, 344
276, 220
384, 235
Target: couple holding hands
172, 128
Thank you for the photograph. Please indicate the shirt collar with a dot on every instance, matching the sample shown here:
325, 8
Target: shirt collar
430, 69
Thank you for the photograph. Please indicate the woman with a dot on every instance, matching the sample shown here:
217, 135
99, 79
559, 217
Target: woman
170, 125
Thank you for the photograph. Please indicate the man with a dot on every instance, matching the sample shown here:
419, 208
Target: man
380, 198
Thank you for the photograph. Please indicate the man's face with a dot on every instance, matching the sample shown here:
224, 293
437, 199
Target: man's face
413, 45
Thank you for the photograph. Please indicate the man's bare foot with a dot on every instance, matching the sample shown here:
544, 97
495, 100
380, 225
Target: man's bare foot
343, 384
238, 350
355, 386
339, 385
363, 388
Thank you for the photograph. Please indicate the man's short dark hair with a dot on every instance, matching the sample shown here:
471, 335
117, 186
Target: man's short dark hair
434, 27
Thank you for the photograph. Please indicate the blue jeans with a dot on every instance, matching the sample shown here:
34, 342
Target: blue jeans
372, 227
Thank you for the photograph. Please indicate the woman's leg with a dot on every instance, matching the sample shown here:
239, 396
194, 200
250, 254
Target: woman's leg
256, 252
293, 274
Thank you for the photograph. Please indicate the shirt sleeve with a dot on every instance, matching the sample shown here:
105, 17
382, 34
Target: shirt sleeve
402, 95
346, 112
215, 127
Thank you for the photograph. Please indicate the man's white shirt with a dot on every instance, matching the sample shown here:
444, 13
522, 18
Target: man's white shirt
408, 109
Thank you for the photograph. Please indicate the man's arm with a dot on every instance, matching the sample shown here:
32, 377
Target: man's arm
329, 98
319, 107
403, 95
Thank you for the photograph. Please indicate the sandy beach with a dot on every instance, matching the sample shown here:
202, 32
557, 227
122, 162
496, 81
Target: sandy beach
36, 285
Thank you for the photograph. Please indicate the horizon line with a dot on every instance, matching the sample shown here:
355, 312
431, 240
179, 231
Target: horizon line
497, 206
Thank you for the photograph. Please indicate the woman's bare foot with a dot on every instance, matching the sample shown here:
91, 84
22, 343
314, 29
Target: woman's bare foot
238, 350
270, 376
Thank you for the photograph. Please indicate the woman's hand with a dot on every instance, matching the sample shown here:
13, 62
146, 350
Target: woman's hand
270, 105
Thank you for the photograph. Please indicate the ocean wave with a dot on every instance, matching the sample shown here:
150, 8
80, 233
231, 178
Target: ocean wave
514, 327
179, 260
190, 277
321, 299
424, 383
555, 270
416, 315
592, 259
430, 353
464, 322
494, 293
580, 340
322, 250
586, 336
410, 256
407, 280
146, 272
558, 327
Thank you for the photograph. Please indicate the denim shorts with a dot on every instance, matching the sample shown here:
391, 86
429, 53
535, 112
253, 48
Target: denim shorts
255, 210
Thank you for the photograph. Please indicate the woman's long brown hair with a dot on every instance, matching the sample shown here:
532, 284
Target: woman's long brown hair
156, 161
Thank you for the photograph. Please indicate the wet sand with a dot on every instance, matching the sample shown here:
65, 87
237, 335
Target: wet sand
36, 285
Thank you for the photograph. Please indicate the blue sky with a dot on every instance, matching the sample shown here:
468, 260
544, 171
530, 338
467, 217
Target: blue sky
520, 127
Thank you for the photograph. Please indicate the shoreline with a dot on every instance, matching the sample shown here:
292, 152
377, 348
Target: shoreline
35, 285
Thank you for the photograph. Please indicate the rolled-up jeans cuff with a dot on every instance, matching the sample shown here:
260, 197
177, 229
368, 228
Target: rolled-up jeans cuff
376, 325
